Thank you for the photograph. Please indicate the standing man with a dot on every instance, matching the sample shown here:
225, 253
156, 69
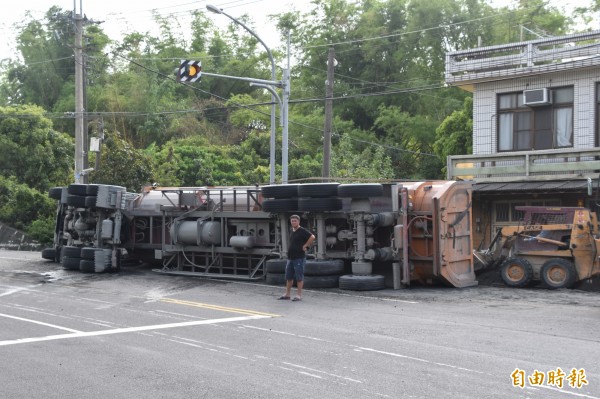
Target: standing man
300, 240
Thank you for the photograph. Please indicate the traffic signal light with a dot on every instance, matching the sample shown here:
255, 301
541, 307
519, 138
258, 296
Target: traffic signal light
189, 71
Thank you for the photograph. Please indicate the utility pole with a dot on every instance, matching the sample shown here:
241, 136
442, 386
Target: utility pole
80, 175
328, 114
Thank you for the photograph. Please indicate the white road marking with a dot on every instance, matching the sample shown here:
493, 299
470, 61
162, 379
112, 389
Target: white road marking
14, 290
129, 329
320, 371
419, 360
39, 322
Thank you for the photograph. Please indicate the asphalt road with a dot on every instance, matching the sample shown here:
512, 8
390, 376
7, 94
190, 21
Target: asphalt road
137, 334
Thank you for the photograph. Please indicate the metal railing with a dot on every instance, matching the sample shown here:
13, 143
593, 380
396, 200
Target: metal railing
560, 164
523, 58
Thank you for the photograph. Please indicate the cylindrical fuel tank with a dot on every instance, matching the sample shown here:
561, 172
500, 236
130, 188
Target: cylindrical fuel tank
242, 241
196, 232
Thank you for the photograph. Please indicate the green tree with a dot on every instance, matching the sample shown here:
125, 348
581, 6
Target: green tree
33, 152
21, 206
455, 135
370, 163
123, 165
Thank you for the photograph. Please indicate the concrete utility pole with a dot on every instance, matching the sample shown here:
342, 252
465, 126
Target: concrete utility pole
328, 114
79, 110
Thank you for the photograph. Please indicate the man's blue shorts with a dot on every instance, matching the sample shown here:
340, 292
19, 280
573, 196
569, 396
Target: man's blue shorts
295, 268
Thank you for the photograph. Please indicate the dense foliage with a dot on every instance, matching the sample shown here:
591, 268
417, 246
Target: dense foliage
393, 118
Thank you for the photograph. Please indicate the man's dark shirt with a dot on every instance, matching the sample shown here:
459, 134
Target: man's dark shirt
297, 239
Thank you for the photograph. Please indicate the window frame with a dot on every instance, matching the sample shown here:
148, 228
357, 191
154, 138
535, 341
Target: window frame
523, 119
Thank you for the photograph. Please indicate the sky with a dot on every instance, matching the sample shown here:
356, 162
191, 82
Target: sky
121, 17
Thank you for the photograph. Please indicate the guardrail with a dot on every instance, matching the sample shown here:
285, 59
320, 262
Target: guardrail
523, 58
525, 165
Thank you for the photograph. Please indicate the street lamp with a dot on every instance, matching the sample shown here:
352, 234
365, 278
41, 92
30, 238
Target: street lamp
217, 10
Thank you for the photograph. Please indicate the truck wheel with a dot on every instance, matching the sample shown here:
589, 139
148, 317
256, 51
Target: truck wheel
328, 281
275, 266
558, 273
365, 190
324, 268
355, 282
318, 190
280, 205
280, 191
516, 272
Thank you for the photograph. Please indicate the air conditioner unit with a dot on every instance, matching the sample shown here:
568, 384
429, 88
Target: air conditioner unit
537, 97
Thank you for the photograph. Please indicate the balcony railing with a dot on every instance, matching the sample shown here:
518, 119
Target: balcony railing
524, 58
525, 165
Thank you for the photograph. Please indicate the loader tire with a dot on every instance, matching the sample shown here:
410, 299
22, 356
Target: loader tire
516, 272
558, 273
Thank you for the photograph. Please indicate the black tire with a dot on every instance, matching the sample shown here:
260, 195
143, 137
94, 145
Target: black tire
280, 205
92, 189
354, 282
275, 266
516, 272
331, 281
87, 266
49, 253
77, 189
280, 191
275, 279
70, 263
76, 200
318, 190
55, 193
324, 267
71, 252
360, 190
319, 204
90, 201
88, 253
558, 273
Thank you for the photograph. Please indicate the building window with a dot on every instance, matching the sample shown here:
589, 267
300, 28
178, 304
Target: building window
543, 127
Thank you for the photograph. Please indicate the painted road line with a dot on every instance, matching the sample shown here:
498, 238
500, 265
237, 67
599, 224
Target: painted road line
217, 307
39, 322
131, 329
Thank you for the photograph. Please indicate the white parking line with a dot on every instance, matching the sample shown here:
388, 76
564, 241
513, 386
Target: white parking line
130, 329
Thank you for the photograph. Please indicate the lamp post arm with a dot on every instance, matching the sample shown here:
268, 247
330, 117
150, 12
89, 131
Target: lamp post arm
274, 93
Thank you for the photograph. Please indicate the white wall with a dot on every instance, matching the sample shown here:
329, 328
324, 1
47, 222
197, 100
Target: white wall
485, 97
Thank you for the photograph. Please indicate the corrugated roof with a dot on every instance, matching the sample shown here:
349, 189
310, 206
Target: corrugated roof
552, 186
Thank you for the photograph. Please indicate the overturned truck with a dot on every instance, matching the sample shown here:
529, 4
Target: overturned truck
369, 236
